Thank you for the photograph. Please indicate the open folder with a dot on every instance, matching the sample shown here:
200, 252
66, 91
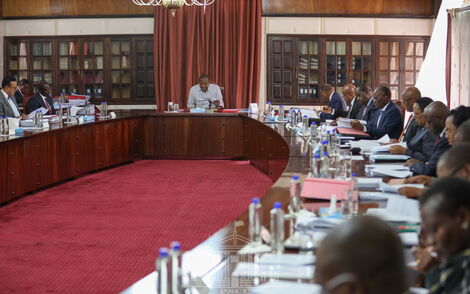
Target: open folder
352, 132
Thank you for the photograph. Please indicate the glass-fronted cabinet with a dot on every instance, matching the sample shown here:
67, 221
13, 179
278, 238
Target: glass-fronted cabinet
309, 70
120, 69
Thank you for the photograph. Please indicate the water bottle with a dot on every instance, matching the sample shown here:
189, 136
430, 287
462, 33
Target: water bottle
355, 196
305, 125
316, 164
41, 119
281, 116
104, 109
277, 228
162, 267
325, 165
255, 218
324, 146
4, 128
2, 122
313, 130
295, 188
176, 268
62, 98
268, 109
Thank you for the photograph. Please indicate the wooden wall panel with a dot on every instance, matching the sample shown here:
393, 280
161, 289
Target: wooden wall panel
351, 7
59, 8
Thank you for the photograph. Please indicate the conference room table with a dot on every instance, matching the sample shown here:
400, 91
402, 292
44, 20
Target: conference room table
41, 158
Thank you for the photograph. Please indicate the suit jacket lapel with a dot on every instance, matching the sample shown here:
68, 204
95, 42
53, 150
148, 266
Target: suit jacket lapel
5, 101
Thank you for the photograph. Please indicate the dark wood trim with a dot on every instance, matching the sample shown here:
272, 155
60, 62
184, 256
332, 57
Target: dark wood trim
76, 16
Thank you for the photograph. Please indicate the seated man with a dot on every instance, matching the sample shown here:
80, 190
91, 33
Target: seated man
366, 96
205, 94
420, 146
22, 92
355, 107
363, 255
387, 120
42, 99
335, 102
456, 117
435, 115
8, 106
409, 98
445, 214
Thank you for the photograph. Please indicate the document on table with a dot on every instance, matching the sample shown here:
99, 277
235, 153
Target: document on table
394, 188
409, 238
385, 148
387, 166
365, 145
396, 171
282, 287
354, 157
385, 139
250, 269
378, 196
287, 259
398, 210
369, 182
41, 109
391, 157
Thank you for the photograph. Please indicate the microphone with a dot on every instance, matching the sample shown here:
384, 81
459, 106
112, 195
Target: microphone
212, 103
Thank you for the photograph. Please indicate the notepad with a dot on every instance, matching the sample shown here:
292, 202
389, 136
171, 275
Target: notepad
385, 148
324, 188
369, 182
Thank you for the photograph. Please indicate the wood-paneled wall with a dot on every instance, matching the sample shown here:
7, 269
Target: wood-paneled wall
351, 7
73, 8
60, 8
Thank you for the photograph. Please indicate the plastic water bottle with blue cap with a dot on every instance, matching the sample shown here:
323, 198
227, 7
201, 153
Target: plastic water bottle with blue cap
355, 195
295, 188
305, 125
281, 116
277, 228
176, 274
162, 267
315, 166
255, 220
325, 165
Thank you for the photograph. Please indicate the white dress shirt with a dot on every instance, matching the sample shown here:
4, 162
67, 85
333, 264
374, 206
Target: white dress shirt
199, 98
48, 106
12, 104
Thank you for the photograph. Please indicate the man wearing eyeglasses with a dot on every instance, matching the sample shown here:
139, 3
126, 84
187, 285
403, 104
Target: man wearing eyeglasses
410, 128
8, 106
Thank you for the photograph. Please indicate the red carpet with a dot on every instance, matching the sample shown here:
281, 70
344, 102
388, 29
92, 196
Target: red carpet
101, 233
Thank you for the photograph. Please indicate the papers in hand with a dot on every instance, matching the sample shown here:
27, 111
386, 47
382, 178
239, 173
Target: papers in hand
385, 148
399, 209
282, 287
394, 188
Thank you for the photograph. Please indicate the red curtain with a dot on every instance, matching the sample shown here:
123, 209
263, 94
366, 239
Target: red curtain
224, 41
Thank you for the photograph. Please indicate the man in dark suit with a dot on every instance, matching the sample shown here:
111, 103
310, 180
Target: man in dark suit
435, 115
411, 128
24, 86
387, 120
42, 99
335, 102
366, 97
350, 95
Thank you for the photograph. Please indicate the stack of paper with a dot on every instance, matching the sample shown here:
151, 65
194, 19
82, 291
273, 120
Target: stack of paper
250, 269
392, 170
346, 122
287, 259
305, 223
369, 183
398, 210
378, 196
389, 157
281, 287
365, 145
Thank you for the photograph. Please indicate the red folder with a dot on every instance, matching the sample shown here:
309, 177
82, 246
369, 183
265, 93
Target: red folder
324, 188
352, 132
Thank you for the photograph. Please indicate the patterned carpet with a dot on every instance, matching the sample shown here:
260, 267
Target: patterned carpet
100, 233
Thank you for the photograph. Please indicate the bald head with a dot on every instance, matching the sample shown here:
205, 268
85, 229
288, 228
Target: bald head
409, 97
462, 135
435, 115
455, 162
369, 239
349, 92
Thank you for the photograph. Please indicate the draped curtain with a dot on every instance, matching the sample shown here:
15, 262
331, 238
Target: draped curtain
223, 41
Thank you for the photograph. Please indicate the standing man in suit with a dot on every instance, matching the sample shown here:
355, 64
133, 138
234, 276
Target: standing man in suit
411, 128
387, 120
366, 97
435, 115
24, 86
42, 99
8, 106
335, 102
